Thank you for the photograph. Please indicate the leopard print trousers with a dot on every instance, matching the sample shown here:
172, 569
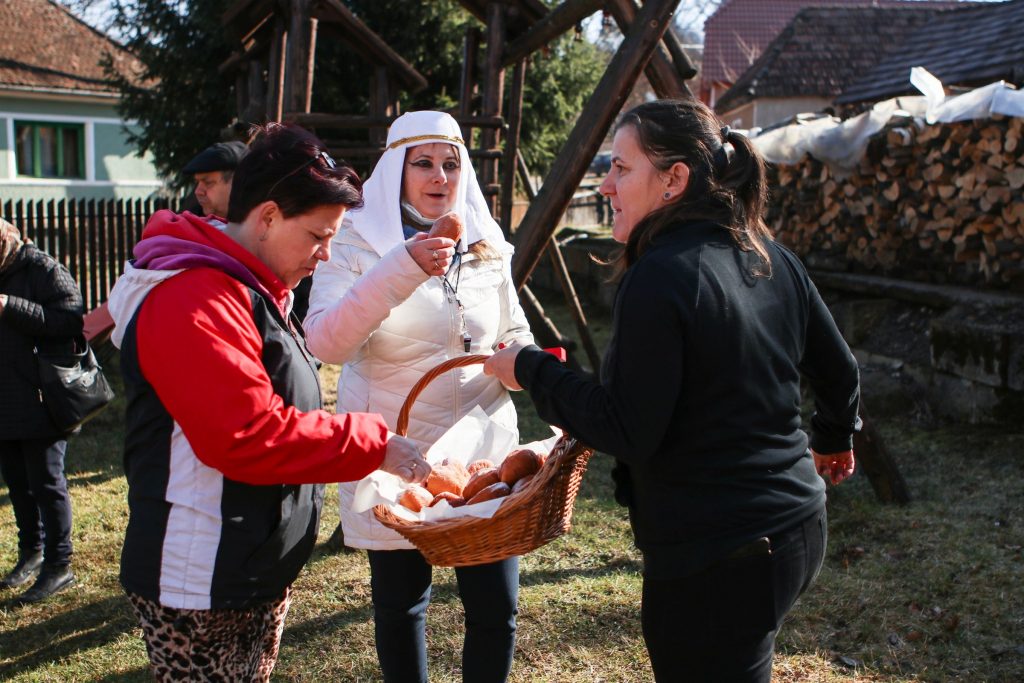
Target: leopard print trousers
230, 645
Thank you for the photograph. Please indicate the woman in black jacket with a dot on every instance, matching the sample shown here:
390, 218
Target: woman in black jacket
40, 306
699, 396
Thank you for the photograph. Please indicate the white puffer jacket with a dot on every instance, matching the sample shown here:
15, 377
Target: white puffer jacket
388, 322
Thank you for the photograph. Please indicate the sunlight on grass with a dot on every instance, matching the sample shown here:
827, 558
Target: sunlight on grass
926, 592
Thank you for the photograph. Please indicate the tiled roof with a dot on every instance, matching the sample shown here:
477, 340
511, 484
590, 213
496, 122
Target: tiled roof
967, 46
823, 49
739, 30
45, 47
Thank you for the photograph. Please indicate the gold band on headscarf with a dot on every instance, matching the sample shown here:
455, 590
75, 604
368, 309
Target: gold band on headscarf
436, 137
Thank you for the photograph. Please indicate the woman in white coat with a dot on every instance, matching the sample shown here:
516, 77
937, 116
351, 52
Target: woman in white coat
391, 304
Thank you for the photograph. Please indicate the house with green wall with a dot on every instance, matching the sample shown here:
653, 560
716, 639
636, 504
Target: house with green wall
60, 133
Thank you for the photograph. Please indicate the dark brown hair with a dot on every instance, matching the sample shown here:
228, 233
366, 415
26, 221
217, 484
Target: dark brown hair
727, 176
290, 165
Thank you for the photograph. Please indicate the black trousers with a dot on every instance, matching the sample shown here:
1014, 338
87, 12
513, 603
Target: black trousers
34, 472
719, 625
400, 582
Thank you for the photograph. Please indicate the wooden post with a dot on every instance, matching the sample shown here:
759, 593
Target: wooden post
878, 465
379, 106
660, 71
275, 71
257, 100
510, 160
298, 83
563, 275
470, 50
586, 136
494, 87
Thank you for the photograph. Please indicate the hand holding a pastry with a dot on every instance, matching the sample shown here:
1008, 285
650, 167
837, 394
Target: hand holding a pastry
434, 251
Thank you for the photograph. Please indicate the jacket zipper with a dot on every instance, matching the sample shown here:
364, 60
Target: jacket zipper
454, 342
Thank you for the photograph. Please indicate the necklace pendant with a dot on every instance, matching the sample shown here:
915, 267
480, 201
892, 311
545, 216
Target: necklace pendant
467, 341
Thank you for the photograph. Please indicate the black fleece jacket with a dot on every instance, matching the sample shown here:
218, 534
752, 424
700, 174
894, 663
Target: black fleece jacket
699, 397
44, 308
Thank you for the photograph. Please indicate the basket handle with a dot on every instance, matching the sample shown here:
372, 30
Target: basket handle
402, 428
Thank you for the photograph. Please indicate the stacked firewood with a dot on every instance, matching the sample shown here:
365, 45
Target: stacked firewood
939, 203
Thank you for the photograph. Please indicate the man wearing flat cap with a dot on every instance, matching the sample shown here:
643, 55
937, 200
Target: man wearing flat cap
213, 169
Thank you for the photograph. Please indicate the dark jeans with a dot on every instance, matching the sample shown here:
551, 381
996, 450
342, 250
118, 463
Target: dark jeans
34, 472
400, 582
720, 624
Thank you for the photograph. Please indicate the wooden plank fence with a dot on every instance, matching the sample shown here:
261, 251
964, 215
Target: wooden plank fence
92, 238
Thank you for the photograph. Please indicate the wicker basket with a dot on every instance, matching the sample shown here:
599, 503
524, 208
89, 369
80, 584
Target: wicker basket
526, 520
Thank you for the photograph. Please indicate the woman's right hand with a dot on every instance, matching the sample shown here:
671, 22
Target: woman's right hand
402, 459
433, 254
835, 467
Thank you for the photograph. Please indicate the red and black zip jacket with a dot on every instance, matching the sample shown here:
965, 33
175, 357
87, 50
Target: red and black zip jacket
226, 441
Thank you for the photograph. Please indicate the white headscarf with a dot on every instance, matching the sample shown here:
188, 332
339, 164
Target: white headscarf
379, 222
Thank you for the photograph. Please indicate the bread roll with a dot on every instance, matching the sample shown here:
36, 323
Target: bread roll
451, 477
415, 497
518, 464
453, 500
493, 491
478, 465
448, 225
521, 484
481, 480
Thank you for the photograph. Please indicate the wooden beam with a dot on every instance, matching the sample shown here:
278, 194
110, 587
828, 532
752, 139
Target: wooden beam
275, 70
366, 41
251, 50
558, 21
563, 275
467, 76
659, 70
257, 95
877, 463
511, 153
244, 16
588, 133
493, 90
355, 121
684, 67
298, 83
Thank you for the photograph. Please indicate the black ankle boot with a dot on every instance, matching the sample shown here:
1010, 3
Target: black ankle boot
23, 572
53, 578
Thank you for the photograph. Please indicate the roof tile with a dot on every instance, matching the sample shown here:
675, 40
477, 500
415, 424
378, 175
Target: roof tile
46, 47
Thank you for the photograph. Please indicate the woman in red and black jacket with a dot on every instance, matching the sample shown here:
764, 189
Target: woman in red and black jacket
227, 444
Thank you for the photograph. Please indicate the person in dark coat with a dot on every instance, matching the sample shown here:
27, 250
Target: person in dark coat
40, 306
715, 324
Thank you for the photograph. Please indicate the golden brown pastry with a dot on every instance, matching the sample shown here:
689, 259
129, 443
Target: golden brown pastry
415, 497
518, 464
493, 491
478, 465
453, 500
448, 225
451, 477
480, 480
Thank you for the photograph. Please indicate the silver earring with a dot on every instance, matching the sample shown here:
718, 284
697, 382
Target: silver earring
667, 196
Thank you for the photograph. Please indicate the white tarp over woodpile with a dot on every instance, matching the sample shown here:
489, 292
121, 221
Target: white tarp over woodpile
841, 144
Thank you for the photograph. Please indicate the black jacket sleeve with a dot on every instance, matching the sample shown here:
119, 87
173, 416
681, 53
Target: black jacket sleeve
628, 412
56, 312
831, 369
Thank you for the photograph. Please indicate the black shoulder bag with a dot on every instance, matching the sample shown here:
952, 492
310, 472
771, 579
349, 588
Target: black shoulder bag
73, 385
